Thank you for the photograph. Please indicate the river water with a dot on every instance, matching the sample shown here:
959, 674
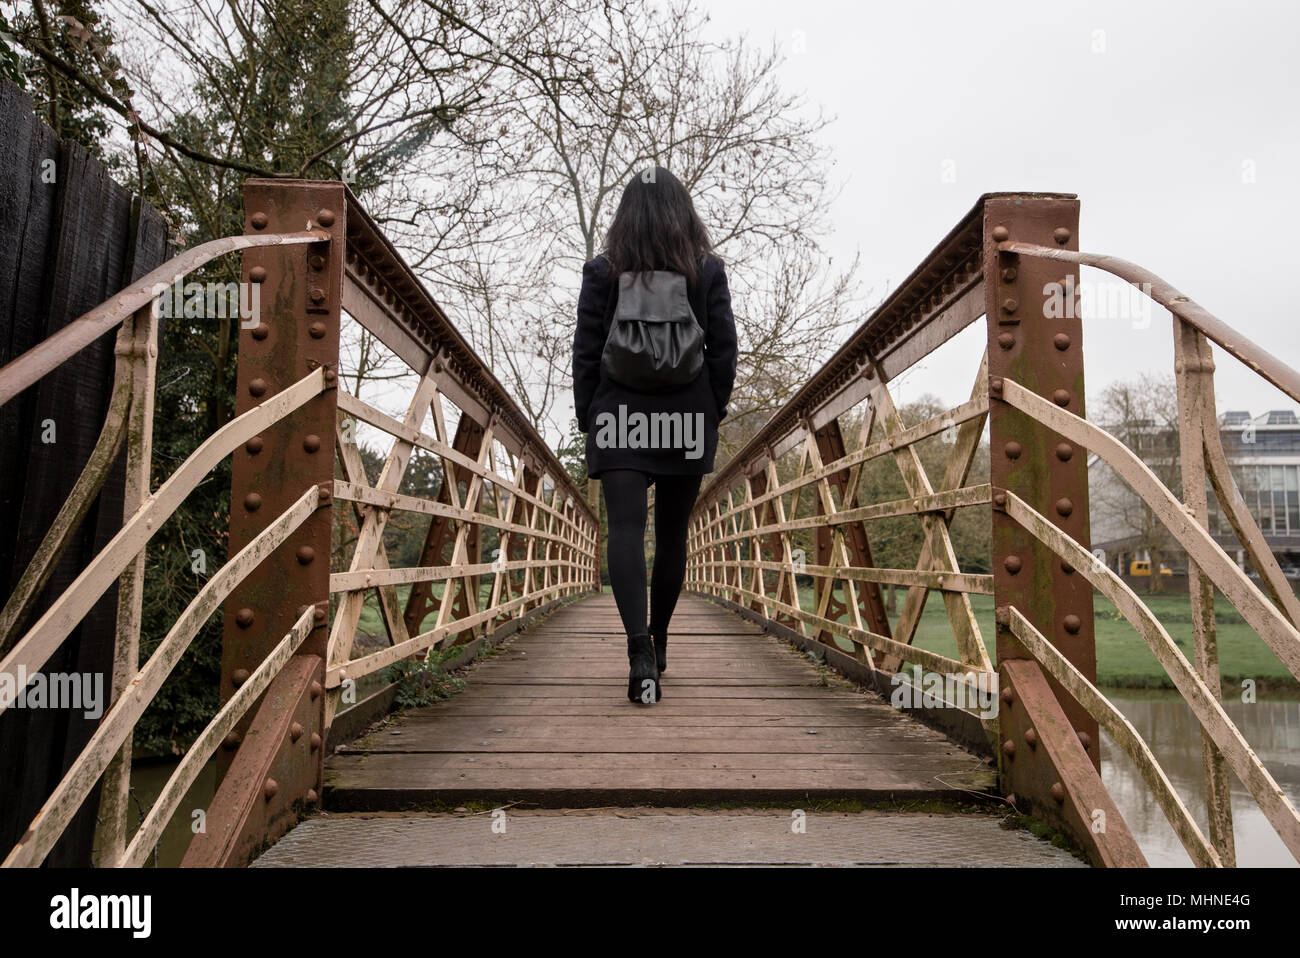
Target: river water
148, 778
1166, 724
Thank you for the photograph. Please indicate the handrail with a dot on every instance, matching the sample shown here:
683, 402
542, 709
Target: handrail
32, 651
371, 416
753, 517
189, 767
406, 575
892, 508
53, 351
723, 525
366, 495
939, 298
383, 286
117, 724
355, 668
971, 409
865, 638
1124, 734
569, 536
548, 534
1255, 357
1200, 698
548, 519
1262, 616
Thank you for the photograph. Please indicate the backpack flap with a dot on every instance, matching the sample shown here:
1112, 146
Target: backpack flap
655, 341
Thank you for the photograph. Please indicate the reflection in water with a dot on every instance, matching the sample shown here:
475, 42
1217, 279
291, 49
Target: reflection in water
1271, 727
148, 777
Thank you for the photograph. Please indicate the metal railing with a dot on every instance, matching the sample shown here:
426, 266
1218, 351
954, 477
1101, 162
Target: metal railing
283, 660
1001, 263
548, 544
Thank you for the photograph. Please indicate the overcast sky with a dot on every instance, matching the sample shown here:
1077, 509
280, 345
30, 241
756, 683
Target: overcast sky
1177, 124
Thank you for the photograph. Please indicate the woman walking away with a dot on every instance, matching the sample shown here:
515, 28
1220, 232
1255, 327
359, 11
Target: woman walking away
654, 360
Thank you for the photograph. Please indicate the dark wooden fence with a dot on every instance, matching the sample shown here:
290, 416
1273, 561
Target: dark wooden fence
70, 238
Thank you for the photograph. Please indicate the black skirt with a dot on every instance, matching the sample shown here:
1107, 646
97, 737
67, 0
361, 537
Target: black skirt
673, 433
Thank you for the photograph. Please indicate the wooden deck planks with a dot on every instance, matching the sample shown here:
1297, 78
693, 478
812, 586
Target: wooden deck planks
744, 717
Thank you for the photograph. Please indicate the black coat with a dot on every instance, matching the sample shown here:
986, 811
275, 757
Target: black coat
597, 400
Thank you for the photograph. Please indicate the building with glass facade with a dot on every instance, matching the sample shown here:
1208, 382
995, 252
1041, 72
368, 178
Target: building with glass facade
1264, 452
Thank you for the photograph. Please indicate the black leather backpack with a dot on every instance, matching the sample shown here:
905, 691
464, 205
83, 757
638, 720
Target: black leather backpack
654, 342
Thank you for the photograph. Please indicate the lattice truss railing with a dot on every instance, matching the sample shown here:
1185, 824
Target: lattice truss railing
28, 645
546, 544
499, 485
281, 650
743, 539
1270, 608
797, 477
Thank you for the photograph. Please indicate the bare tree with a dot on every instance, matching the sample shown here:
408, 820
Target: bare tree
1143, 414
491, 142
652, 91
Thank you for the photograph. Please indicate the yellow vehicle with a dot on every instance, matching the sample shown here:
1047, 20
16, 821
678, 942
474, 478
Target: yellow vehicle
1141, 567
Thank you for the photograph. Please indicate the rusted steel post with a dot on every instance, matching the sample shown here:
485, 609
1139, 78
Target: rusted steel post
1035, 339
273, 761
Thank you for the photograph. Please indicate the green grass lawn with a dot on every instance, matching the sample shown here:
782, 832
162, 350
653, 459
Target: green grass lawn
1123, 658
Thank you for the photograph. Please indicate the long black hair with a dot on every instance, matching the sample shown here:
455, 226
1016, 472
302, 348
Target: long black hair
656, 227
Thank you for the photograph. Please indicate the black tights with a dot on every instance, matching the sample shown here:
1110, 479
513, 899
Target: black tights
625, 504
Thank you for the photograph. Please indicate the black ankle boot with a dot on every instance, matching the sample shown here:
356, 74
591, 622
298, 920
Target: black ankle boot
643, 675
661, 649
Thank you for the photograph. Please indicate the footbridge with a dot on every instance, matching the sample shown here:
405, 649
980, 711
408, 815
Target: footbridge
792, 689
